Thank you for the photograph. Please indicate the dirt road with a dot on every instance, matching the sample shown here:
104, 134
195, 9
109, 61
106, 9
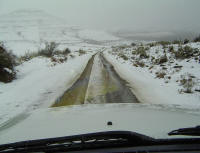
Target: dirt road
99, 83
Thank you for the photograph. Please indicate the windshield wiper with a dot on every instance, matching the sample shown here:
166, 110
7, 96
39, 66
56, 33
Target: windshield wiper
192, 131
80, 142
96, 141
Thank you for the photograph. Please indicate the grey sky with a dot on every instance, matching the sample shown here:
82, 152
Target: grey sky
108, 14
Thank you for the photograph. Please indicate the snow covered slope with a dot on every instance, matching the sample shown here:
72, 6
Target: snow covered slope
25, 30
39, 83
158, 75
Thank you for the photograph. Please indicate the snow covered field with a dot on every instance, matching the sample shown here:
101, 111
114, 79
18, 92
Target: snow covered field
40, 81
27, 30
148, 85
38, 84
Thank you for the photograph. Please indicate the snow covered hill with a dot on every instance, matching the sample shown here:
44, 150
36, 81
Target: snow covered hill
155, 70
26, 30
166, 73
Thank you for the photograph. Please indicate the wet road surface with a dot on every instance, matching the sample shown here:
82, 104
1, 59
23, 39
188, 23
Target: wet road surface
99, 83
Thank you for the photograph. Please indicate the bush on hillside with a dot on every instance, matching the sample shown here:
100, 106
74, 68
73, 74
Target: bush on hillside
162, 59
177, 42
184, 52
7, 63
49, 49
81, 52
187, 82
124, 57
186, 41
141, 51
197, 39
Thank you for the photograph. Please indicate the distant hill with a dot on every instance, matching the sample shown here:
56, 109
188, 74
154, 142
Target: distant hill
29, 18
24, 30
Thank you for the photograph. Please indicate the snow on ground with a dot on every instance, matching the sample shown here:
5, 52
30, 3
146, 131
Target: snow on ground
39, 82
27, 30
150, 89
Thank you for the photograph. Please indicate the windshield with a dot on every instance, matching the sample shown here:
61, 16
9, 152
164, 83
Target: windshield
72, 67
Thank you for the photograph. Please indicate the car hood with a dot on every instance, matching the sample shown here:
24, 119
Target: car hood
151, 120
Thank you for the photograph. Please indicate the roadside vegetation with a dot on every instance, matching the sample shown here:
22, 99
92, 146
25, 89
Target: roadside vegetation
7, 64
50, 50
197, 39
166, 60
81, 52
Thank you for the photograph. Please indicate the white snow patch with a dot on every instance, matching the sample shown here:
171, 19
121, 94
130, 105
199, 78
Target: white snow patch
8, 70
150, 90
38, 84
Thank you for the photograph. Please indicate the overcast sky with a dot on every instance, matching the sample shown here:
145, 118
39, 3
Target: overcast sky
109, 14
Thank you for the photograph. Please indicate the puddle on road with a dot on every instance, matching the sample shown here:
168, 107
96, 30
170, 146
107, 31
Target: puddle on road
99, 83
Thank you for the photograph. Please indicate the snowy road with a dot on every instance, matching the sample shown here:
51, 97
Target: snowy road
99, 83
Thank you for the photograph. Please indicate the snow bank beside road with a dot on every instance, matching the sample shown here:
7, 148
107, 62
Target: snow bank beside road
36, 85
150, 90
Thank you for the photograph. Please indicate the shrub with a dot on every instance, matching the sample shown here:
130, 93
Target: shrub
139, 63
7, 63
160, 74
184, 52
58, 60
171, 49
152, 59
177, 42
49, 54
197, 39
66, 51
163, 59
133, 44
123, 47
28, 56
72, 56
186, 41
81, 52
188, 82
124, 57
164, 43
142, 52
49, 49
152, 44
